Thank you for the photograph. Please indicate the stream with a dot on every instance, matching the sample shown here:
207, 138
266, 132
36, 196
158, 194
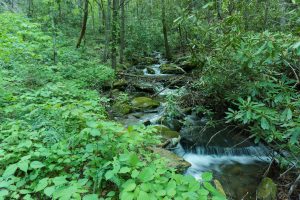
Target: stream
239, 168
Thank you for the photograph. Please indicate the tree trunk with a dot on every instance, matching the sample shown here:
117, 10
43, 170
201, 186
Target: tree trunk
84, 21
107, 31
54, 33
30, 8
219, 9
283, 14
165, 30
114, 35
122, 32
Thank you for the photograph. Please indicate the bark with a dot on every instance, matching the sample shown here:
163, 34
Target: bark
283, 14
107, 31
165, 31
114, 35
219, 9
122, 32
84, 21
30, 8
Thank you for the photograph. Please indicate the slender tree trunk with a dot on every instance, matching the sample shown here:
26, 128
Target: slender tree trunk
165, 30
84, 21
219, 9
114, 35
266, 21
30, 8
283, 14
54, 33
100, 16
107, 31
93, 17
122, 32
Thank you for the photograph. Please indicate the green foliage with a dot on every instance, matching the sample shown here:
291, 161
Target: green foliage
56, 141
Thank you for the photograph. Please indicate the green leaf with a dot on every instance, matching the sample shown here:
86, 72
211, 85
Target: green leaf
124, 170
207, 176
90, 197
36, 165
3, 193
49, 191
127, 196
59, 180
289, 114
129, 185
23, 165
147, 174
92, 124
10, 170
109, 174
95, 132
43, 183
143, 196
264, 123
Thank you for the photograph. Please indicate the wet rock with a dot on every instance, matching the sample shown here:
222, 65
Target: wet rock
188, 65
121, 109
144, 87
120, 84
172, 159
166, 133
144, 103
135, 59
171, 69
219, 187
267, 190
150, 70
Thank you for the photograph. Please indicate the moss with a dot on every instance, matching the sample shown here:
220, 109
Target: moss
166, 133
267, 190
143, 103
172, 159
171, 69
121, 109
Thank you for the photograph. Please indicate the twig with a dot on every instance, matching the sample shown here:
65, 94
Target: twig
267, 171
220, 131
250, 137
289, 169
294, 186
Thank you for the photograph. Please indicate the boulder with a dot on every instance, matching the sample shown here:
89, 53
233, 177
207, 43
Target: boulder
267, 190
188, 65
171, 69
144, 103
166, 133
172, 159
219, 187
120, 84
144, 87
121, 109
150, 70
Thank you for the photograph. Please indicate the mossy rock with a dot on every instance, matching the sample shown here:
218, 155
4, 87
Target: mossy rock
121, 109
267, 190
166, 133
188, 65
144, 103
120, 84
144, 87
173, 160
171, 69
150, 70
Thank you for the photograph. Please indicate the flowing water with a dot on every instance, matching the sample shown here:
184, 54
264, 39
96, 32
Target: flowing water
239, 168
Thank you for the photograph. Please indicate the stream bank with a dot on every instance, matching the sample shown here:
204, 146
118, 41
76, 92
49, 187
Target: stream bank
238, 165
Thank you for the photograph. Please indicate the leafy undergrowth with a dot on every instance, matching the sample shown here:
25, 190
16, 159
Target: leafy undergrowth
55, 140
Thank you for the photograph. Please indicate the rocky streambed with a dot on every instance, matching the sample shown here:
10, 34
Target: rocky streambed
190, 145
